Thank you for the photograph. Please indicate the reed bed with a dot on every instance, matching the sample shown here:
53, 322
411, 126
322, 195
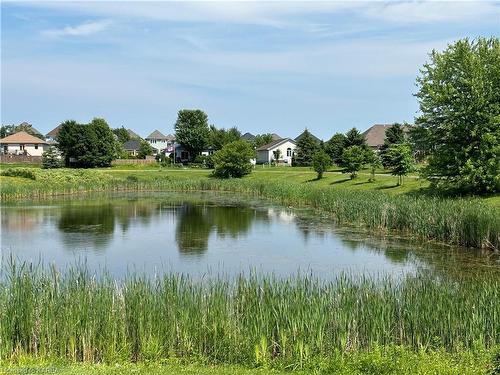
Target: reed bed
460, 221
248, 320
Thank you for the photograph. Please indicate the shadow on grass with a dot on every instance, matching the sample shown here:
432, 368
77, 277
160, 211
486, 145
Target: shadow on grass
385, 187
340, 181
362, 182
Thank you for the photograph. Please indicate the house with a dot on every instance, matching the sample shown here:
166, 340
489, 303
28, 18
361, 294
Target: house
52, 135
133, 135
375, 135
132, 146
299, 137
160, 142
22, 143
286, 147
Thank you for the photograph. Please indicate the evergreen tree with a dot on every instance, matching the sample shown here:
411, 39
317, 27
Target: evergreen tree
354, 138
335, 147
393, 135
51, 159
307, 146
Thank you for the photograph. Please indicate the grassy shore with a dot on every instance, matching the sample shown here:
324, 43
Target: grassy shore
466, 221
294, 323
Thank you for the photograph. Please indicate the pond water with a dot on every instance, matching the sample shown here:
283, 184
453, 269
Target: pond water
211, 233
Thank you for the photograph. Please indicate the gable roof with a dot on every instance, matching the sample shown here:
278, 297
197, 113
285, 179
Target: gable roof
156, 135
54, 132
275, 144
375, 135
170, 137
22, 137
248, 137
312, 135
133, 134
133, 144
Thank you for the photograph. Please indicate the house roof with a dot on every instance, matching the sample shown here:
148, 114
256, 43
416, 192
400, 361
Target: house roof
22, 137
275, 137
156, 135
312, 135
248, 137
170, 137
133, 144
133, 134
375, 135
54, 132
275, 144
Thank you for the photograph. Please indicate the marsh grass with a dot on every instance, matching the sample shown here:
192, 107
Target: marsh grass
462, 221
249, 320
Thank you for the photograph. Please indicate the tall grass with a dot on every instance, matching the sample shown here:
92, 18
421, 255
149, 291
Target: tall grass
465, 222
251, 320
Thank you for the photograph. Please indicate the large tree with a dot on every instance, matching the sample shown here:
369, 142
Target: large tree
335, 147
192, 131
87, 145
220, 137
459, 98
307, 146
122, 134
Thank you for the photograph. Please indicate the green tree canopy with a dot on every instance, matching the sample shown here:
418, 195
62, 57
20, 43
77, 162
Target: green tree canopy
263, 139
307, 146
192, 131
51, 159
354, 138
401, 160
335, 147
353, 159
6, 130
145, 149
320, 163
122, 134
393, 135
233, 160
220, 137
459, 98
87, 145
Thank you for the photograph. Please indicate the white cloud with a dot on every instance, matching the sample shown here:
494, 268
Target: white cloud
84, 29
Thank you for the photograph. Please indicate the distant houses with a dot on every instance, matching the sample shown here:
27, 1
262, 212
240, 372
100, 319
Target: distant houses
279, 151
375, 134
132, 147
161, 143
23, 143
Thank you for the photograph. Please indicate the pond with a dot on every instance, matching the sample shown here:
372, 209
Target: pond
204, 233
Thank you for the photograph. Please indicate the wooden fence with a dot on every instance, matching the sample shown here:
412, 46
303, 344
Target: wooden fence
133, 161
20, 159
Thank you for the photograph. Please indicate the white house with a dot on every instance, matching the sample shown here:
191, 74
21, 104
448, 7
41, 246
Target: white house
159, 141
23, 143
267, 153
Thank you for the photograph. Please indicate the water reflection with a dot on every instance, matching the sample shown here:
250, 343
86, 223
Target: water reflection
182, 229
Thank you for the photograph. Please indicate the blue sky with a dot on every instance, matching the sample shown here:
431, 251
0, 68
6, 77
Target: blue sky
264, 67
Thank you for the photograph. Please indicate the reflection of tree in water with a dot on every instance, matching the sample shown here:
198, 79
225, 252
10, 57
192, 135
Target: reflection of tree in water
195, 223
135, 210
94, 221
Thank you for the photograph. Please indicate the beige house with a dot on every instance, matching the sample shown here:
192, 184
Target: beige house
23, 143
267, 153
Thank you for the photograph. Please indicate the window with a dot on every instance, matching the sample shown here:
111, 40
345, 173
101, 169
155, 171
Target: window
21, 147
36, 147
288, 152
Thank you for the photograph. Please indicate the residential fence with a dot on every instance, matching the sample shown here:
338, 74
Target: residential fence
20, 159
133, 161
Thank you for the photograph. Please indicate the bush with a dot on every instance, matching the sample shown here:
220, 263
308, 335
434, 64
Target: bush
233, 160
20, 172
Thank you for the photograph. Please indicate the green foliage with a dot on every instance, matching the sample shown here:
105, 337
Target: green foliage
122, 134
19, 172
321, 162
335, 147
87, 145
192, 131
393, 135
401, 160
221, 137
353, 159
459, 99
145, 149
374, 162
307, 146
263, 139
354, 138
6, 130
277, 154
233, 160
51, 158
298, 321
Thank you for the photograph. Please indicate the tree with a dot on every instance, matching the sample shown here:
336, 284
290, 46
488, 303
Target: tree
122, 134
353, 159
276, 155
307, 146
192, 131
87, 145
233, 160
145, 149
459, 98
401, 160
320, 163
263, 139
373, 160
220, 137
7, 130
335, 146
393, 135
354, 138
51, 159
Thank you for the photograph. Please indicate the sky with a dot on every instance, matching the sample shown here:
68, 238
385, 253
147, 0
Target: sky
261, 66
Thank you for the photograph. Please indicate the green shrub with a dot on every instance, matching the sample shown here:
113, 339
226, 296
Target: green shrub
51, 159
20, 172
233, 160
